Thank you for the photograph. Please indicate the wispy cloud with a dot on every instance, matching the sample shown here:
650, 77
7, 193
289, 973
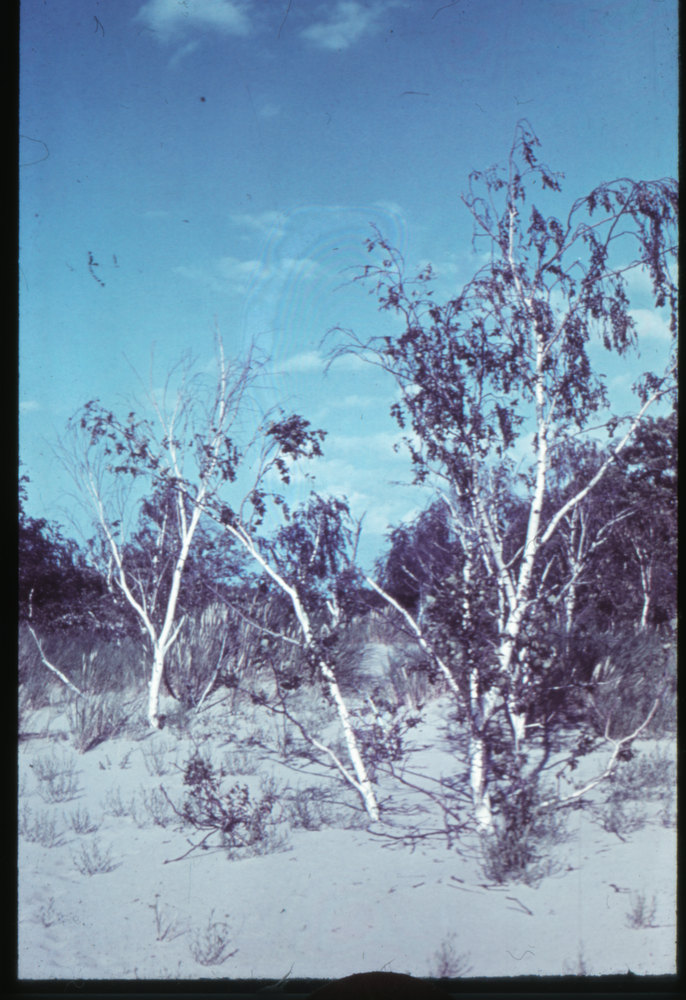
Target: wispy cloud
185, 50
238, 277
29, 406
651, 325
346, 23
271, 223
315, 361
170, 18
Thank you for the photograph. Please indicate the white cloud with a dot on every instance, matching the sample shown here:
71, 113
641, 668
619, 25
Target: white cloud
315, 361
29, 406
238, 277
172, 17
185, 50
651, 325
348, 23
263, 222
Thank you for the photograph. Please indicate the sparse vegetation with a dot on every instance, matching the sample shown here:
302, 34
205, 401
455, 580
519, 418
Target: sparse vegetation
210, 945
316, 808
114, 805
622, 818
80, 822
166, 924
531, 603
239, 762
642, 912
48, 915
157, 807
91, 860
646, 777
245, 826
156, 757
578, 967
93, 719
39, 830
61, 788
520, 847
448, 963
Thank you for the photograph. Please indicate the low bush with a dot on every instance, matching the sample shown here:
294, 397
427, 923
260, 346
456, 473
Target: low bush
620, 819
578, 967
156, 759
518, 847
314, 808
94, 719
56, 776
62, 788
642, 912
245, 826
447, 963
239, 762
47, 915
80, 822
52, 766
157, 807
90, 860
114, 804
210, 945
648, 777
167, 926
39, 830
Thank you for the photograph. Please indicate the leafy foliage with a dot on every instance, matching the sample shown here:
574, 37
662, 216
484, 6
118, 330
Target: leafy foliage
240, 822
58, 588
507, 356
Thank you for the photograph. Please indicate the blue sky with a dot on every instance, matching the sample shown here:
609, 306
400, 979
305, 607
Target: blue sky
225, 159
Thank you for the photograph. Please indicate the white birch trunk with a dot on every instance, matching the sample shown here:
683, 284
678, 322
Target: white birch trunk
362, 782
155, 683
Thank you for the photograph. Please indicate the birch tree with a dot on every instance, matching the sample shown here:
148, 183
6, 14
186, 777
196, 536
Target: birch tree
503, 369
172, 462
310, 559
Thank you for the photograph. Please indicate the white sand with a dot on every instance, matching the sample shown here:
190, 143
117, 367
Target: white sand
335, 901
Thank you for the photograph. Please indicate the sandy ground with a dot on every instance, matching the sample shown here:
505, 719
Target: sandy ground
326, 904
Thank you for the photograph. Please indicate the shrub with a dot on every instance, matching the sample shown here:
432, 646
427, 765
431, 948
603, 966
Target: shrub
514, 850
579, 967
41, 830
239, 762
47, 915
50, 767
167, 928
62, 788
631, 669
383, 741
56, 777
642, 912
92, 861
649, 777
209, 946
80, 822
94, 719
113, 804
242, 823
155, 757
447, 963
313, 808
157, 807
105, 664
618, 819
